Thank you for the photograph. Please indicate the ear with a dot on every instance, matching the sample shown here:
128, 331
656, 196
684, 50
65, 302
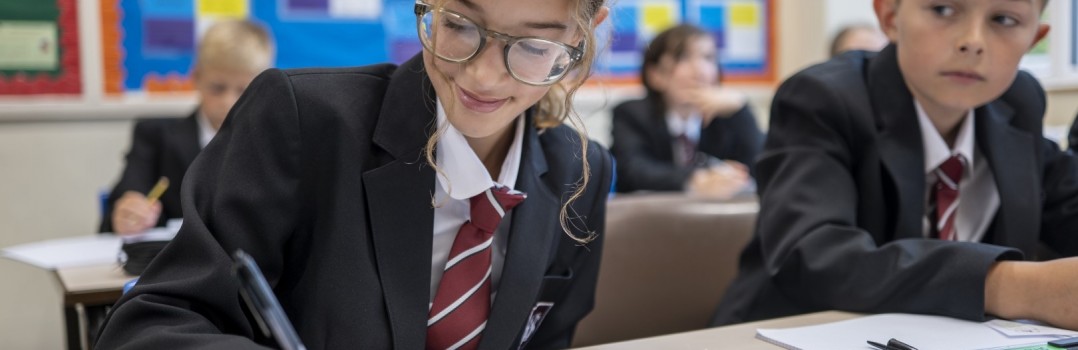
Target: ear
1042, 31
600, 16
885, 14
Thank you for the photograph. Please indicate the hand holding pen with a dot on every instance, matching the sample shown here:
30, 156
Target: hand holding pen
893, 344
135, 213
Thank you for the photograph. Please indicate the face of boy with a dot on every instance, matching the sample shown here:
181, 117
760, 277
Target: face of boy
218, 90
696, 70
960, 54
480, 98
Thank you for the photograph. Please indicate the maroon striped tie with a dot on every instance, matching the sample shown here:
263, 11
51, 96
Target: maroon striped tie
462, 303
948, 175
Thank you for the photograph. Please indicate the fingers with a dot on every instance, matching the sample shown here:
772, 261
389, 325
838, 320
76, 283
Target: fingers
720, 182
134, 213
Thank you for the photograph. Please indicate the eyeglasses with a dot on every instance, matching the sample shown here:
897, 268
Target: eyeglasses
455, 38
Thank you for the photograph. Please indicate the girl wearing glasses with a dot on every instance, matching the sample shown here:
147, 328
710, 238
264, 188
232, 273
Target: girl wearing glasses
438, 204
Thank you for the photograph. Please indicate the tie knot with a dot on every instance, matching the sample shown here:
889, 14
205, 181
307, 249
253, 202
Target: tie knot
488, 207
951, 169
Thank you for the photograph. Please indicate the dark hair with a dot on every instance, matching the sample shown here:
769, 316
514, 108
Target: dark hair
671, 42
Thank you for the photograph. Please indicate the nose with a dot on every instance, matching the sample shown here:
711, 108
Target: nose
488, 67
972, 40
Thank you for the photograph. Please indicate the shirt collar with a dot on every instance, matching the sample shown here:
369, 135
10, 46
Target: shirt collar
463, 174
936, 150
689, 126
205, 130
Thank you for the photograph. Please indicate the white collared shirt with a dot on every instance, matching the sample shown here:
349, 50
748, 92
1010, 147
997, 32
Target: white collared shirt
206, 132
464, 177
978, 197
690, 126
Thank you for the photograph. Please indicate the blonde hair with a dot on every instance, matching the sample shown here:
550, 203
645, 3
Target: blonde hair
235, 45
554, 108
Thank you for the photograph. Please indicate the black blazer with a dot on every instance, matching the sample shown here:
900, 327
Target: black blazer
319, 175
841, 185
159, 147
643, 147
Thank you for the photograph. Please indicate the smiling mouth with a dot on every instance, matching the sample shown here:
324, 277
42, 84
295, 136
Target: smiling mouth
478, 103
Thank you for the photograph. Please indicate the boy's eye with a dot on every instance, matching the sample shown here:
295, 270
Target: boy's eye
943, 10
1006, 21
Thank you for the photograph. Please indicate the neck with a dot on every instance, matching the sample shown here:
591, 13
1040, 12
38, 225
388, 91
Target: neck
493, 149
945, 120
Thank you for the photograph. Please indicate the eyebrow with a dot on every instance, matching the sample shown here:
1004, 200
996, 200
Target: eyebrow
532, 25
1030, 2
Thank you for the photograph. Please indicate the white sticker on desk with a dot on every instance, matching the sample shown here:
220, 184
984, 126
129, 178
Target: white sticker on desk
1013, 329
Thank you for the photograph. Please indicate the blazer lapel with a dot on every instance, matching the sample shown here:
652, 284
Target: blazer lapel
187, 141
660, 132
399, 200
901, 147
1012, 155
529, 250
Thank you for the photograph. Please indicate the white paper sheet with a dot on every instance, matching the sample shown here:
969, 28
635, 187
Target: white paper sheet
921, 331
66, 252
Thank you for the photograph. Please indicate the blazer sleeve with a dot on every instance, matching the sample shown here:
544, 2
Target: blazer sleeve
638, 168
1059, 227
556, 331
736, 137
812, 246
140, 171
242, 192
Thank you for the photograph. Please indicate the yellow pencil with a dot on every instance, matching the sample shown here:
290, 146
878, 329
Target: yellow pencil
158, 190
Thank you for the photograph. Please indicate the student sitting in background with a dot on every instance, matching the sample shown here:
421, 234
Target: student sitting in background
229, 56
857, 37
675, 137
917, 179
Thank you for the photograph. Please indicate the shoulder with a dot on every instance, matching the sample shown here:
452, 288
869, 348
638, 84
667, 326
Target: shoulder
632, 108
156, 125
842, 75
562, 148
1026, 96
333, 84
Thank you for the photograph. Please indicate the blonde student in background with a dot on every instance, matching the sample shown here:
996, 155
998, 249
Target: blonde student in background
917, 179
228, 56
437, 204
689, 133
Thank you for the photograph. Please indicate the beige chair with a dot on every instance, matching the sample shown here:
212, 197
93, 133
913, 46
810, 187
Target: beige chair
667, 260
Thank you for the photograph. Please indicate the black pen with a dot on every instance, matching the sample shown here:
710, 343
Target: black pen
893, 344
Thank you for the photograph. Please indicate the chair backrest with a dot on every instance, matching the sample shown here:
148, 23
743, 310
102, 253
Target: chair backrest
667, 260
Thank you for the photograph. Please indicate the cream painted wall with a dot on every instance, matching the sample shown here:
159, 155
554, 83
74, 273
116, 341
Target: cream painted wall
50, 174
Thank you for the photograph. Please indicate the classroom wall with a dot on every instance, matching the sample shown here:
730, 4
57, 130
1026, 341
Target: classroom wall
55, 158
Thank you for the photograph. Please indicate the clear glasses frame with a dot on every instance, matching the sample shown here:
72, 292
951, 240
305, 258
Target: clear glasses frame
575, 54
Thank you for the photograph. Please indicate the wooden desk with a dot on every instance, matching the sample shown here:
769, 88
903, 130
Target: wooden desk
739, 336
88, 291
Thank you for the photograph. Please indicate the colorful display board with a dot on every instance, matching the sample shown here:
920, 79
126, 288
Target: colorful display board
39, 47
149, 44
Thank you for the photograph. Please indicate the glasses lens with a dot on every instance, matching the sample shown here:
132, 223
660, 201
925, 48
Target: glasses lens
538, 61
448, 35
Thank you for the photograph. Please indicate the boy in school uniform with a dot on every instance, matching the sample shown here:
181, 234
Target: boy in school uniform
917, 179
229, 55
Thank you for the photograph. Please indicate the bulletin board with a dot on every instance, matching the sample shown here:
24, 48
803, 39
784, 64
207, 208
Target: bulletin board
744, 31
149, 44
39, 47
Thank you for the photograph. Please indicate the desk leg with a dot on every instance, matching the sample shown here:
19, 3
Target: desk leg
71, 321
